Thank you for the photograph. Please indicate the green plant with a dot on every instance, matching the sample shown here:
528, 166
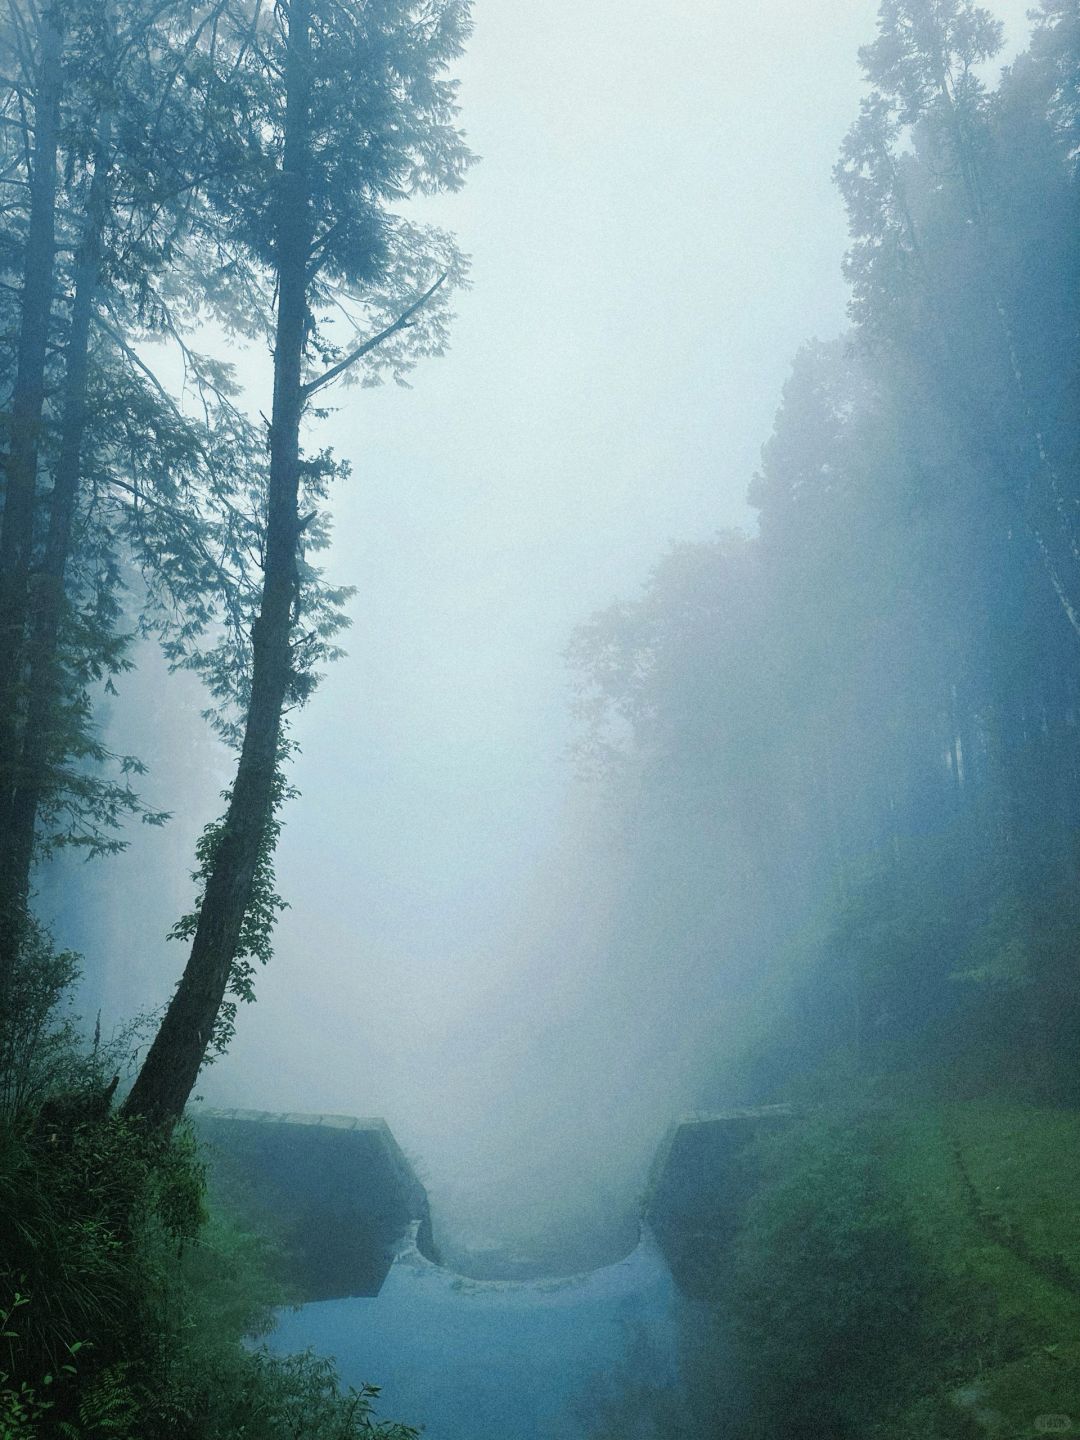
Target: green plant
826, 1289
108, 1408
24, 1404
37, 1037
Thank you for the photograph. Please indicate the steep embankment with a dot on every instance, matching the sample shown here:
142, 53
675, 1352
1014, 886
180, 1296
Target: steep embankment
912, 1274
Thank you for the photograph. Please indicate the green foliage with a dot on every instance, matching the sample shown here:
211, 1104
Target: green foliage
826, 1291
37, 1037
986, 1192
107, 1407
843, 751
127, 1303
139, 507
300, 1398
75, 1194
146, 486
129, 1299
260, 917
898, 1274
23, 1405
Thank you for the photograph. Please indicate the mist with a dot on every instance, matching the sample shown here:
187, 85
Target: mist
654, 233
539, 717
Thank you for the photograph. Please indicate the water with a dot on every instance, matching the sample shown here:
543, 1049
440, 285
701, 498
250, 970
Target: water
496, 1359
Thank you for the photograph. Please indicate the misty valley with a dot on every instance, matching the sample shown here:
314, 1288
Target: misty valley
539, 720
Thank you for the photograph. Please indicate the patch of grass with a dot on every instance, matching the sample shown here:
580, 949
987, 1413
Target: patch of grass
911, 1274
827, 1290
990, 1204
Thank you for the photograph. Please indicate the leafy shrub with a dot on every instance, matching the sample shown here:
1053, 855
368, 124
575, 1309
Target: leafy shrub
38, 1049
131, 1309
826, 1288
128, 1301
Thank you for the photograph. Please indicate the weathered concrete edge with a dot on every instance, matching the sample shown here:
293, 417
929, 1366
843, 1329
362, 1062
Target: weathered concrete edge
417, 1203
694, 1118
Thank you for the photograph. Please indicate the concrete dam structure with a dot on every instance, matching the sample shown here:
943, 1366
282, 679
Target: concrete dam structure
468, 1358
336, 1191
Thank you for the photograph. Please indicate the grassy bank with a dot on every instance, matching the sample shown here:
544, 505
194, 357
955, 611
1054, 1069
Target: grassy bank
131, 1306
913, 1274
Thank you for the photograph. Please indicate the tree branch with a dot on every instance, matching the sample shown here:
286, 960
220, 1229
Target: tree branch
361, 350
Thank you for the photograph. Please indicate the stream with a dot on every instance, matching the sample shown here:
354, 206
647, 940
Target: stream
505, 1359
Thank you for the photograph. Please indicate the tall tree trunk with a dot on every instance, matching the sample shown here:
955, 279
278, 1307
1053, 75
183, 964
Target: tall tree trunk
46, 603
172, 1064
1059, 506
21, 465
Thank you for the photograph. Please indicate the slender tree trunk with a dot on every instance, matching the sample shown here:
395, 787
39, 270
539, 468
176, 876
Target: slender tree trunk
173, 1061
21, 465
969, 173
47, 600
28, 396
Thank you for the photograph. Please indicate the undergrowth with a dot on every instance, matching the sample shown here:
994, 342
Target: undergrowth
903, 1273
130, 1307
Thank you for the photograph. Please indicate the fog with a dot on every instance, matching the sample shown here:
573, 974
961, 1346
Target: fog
654, 233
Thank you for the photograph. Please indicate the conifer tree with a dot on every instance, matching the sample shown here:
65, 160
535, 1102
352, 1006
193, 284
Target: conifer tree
117, 479
365, 118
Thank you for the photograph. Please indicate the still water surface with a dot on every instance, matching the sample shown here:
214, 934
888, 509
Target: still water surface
492, 1359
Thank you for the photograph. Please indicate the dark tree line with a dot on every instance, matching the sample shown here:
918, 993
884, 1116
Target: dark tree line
869, 709
171, 174
178, 181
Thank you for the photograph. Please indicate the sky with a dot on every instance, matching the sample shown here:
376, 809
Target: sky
654, 232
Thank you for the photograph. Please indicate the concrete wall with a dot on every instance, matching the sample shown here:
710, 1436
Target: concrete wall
702, 1176
341, 1195
337, 1191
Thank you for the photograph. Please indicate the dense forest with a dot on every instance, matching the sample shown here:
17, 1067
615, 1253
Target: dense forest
844, 748
173, 177
841, 750
859, 724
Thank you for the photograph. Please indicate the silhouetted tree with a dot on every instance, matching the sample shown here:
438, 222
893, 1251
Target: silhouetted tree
364, 119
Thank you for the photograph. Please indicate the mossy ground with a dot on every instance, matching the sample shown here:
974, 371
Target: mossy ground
908, 1272
990, 1195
